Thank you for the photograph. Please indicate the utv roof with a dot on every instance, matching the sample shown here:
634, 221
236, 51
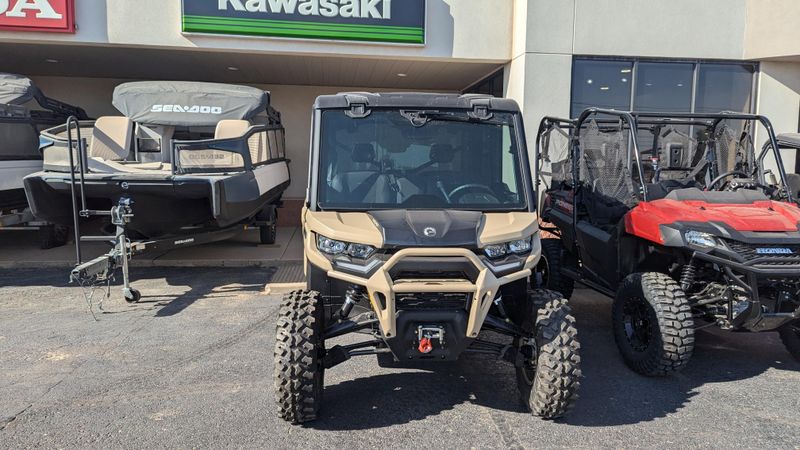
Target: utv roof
184, 103
16, 89
789, 140
414, 100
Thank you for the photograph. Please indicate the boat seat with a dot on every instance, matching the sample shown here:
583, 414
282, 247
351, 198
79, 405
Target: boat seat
230, 129
155, 165
112, 138
100, 165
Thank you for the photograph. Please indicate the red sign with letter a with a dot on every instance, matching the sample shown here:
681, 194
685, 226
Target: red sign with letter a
50, 16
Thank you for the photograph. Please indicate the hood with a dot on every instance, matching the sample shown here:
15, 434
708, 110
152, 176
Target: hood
413, 228
646, 218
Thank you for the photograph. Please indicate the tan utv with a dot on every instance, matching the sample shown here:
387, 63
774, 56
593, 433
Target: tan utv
420, 232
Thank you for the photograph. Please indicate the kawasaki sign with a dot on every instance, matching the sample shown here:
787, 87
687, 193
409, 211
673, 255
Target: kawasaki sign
398, 21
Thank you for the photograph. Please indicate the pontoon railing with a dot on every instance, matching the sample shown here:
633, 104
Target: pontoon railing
236, 145
76, 213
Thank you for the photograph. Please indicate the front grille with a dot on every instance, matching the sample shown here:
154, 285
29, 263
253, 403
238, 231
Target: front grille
428, 301
430, 275
750, 253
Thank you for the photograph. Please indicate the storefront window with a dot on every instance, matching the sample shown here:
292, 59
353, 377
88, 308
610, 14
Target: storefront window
601, 83
661, 86
664, 87
724, 87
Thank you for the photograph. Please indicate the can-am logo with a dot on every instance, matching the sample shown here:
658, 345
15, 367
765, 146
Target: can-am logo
774, 251
38, 15
191, 109
356, 9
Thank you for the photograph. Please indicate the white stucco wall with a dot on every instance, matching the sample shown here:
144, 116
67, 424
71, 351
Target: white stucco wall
779, 100
772, 29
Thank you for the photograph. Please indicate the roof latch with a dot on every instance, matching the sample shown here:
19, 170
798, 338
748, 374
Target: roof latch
481, 109
359, 106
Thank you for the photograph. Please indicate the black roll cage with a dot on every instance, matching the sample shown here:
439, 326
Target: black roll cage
633, 119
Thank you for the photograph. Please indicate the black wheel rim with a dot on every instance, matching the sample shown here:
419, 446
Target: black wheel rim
542, 273
529, 363
636, 320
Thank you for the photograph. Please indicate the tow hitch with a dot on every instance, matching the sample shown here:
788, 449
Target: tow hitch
426, 335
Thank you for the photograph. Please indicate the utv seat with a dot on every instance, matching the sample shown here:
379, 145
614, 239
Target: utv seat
793, 180
740, 197
364, 183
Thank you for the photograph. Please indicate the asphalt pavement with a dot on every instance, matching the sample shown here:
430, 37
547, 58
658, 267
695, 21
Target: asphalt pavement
191, 367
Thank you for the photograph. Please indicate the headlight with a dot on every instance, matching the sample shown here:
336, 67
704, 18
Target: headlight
496, 251
700, 239
361, 251
334, 247
518, 247
330, 246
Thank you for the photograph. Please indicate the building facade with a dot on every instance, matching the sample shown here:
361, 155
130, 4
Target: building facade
554, 57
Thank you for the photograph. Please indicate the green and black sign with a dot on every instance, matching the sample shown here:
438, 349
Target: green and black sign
397, 21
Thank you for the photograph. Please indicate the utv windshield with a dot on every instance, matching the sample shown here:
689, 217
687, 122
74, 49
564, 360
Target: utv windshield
394, 159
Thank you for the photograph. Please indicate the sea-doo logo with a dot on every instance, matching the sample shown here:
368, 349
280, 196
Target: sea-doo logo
429, 232
192, 109
356, 9
774, 251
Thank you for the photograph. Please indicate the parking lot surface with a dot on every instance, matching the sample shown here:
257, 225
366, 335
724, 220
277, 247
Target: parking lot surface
191, 366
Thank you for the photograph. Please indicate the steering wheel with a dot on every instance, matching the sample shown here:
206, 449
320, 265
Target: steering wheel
726, 175
463, 190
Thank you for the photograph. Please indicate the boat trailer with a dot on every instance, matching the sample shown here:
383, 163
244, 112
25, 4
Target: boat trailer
101, 270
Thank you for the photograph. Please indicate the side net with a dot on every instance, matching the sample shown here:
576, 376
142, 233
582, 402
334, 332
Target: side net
555, 162
733, 148
604, 164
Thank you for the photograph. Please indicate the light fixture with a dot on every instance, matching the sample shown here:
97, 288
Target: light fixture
589, 81
402, 75
233, 69
648, 84
624, 80
52, 61
604, 88
680, 84
625, 71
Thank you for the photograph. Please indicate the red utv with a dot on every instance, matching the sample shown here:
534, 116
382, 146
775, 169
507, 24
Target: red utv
679, 219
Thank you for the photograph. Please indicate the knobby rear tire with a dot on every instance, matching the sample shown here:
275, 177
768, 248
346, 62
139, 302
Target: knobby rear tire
553, 256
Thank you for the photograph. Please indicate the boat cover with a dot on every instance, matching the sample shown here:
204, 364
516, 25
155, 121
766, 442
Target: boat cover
184, 103
16, 89
789, 139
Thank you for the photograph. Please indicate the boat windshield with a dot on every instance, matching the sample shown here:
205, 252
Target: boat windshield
393, 159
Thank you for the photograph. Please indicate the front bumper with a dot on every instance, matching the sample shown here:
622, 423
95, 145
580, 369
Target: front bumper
383, 289
767, 267
762, 314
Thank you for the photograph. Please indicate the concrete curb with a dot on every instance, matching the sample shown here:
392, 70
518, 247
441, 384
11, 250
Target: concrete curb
282, 288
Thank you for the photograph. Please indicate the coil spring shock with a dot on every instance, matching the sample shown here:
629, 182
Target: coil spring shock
688, 276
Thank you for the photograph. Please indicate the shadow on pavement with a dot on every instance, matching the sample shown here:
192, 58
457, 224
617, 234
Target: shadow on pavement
404, 396
611, 394
187, 285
